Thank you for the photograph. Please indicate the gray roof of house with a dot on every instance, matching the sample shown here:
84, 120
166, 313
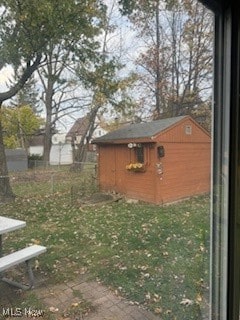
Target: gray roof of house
139, 130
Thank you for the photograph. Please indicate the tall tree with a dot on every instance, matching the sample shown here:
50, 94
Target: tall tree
176, 66
57, 74
107, 89
58, 88
26, 29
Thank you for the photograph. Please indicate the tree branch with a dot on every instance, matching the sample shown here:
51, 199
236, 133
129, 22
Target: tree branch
30, 68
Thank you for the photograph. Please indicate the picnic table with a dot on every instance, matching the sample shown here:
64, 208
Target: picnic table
17, 257
7, 225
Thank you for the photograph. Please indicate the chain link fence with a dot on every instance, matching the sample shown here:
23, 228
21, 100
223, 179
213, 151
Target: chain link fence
76, 180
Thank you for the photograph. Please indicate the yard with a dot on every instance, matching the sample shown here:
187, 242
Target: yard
153, 255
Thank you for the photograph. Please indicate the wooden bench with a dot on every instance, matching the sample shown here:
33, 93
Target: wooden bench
15, 258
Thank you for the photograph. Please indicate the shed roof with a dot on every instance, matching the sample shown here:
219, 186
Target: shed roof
139, 130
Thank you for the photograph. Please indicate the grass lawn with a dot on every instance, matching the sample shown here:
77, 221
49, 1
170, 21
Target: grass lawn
156, 256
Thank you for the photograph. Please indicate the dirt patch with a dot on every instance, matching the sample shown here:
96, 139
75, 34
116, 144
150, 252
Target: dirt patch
99, 198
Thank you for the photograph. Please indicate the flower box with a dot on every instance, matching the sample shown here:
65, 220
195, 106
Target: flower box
136, 167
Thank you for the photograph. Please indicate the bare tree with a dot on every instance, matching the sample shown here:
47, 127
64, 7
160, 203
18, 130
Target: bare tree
105, 87
175, 68
26, 29
58, 95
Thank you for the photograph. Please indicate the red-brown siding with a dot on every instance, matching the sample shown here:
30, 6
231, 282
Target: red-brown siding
177, 133
113, 175
186, 171
183, 171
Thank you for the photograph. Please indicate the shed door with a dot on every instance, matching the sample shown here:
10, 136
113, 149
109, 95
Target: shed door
107, 167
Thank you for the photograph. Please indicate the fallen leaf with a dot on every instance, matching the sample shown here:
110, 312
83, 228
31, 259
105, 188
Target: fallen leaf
168, 311
199, 298
75, 304
36, 266
158, 310
186, 302
148, 296
53, 309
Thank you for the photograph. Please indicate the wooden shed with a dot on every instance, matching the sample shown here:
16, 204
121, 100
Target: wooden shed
159, 161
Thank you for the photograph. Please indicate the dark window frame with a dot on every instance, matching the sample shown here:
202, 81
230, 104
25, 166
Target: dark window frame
225, 242
139, 153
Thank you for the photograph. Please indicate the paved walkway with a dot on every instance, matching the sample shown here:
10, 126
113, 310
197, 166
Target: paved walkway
82, 299
105, 304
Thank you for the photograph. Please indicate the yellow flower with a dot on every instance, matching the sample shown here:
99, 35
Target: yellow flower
133, 166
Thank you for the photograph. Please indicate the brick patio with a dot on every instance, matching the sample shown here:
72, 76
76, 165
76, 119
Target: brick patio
105, 303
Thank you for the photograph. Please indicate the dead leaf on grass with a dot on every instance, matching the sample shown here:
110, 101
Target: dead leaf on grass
36, 265
199, 298
186, 302
148, 296
158, 310
75, 304
53, 309
35, 241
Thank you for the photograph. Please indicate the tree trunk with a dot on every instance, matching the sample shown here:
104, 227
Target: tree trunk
80, 153
158, 72
6, 193
47, 142
48, 126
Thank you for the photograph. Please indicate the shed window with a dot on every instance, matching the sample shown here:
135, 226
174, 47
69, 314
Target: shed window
139, 151
188, 129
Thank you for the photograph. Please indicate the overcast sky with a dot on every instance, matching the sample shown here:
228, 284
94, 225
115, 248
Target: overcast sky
5, 76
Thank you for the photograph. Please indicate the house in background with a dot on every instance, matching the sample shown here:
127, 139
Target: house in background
62, 143
61, 151
159, 162
78, 130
